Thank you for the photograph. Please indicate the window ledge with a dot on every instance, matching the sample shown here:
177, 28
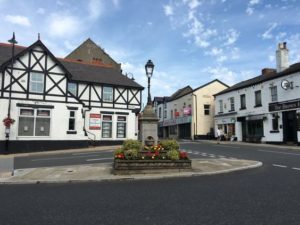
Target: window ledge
71, 132
231, 110
243, 108
256, 106
220, 112
274, 131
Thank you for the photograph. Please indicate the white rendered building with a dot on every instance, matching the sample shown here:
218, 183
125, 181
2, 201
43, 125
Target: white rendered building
62, 103
265, 108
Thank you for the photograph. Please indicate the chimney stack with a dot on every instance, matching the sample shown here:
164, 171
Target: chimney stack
268, 71
282, 57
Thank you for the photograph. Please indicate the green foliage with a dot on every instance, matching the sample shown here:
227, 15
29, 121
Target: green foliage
173, 154
131, 154
132, 144
118, 151
170, 144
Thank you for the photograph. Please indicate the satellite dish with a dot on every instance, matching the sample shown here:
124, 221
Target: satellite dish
285, 84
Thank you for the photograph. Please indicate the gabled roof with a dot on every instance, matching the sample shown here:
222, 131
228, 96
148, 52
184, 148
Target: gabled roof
262, 78
77, 71
98, 74
5, 57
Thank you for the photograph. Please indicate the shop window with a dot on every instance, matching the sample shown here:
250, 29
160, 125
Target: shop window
243, 101
257, 98
72, 88
36, 84
275, 125
107, 94
173, 130
273, 91
231, 100
121, 127
220, 106
34, 122
206, 109
107, 126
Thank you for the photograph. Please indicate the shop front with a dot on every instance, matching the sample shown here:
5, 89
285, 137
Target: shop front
227, 125
178, 128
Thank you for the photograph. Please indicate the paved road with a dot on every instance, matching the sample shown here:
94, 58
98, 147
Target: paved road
262, 196
266, 195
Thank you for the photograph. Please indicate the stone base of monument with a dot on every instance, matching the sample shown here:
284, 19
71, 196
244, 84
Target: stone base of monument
150, 166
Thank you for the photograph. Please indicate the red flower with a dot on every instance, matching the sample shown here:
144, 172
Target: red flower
120, 156
183, 155
8, 121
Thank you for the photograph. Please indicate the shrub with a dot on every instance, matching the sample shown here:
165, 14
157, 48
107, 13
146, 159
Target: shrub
169, 145
132, 144
173, 154
119, 154
131, 154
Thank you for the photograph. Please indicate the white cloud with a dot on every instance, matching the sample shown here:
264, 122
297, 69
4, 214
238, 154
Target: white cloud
251, 4
95, 8
19, 20
116, 3
41, 11
63, 26
192, 3
168, 9
268, 33
231, 36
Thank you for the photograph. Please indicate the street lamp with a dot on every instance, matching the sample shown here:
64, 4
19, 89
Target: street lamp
8, 121
149, 67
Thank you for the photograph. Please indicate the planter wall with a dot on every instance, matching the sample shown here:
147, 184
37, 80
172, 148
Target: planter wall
121, 165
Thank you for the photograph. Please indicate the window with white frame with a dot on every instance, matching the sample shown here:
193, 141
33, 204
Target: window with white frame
72, 120
257, 98
72, 88
121, 127
107, 126
206, 109
36, 83
273, 91
220, 106
107, 94
231, 101
34, 122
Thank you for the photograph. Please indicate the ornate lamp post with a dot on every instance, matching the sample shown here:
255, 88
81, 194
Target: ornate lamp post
8, 121
149, 67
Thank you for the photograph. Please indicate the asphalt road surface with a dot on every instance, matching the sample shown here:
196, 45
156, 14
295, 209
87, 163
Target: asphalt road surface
268, 195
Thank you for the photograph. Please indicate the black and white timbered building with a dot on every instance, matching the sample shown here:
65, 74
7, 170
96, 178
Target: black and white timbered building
62, 103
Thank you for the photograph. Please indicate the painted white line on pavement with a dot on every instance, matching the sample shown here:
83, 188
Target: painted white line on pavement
204, 154
190, 152
284, 153
277, 165
222, 156
196, 153
61, 158
295, 168
100, 159
212, 156
88, 153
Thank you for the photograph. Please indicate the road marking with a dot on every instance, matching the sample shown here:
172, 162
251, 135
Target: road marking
212, 155
100, 159
204, 154
295, 168
222, 156
284, 153
61, 158
190, 152
87, 153
196, 153
277, 165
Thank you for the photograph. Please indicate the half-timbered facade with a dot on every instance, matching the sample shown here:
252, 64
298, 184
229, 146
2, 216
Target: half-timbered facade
60, 103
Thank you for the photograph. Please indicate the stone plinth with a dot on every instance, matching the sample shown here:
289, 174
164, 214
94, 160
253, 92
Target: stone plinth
148, 125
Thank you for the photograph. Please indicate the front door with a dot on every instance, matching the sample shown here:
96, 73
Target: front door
289, 126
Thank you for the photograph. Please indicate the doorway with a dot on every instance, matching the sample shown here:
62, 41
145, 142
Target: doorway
289, 121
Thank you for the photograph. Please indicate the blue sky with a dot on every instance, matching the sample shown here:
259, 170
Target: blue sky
191, 42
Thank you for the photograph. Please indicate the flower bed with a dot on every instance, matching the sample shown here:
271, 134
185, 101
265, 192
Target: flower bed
134, 156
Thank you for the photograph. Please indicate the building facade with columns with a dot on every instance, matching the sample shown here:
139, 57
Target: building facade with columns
265, 108
63, 103
188, 113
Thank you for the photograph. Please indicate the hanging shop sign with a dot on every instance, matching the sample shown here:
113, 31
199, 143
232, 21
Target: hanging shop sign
187, 111
95, 121
284, 105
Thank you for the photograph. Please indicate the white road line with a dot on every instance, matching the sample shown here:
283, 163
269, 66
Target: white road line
87, 153
277, 165
190, 152
284, 153
222, 156
100, 159
61, 158
295, 168
196, 153
204, 154
212, 156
